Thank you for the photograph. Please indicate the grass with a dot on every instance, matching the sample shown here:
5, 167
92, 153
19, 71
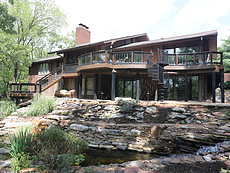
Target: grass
7, 107
41, 105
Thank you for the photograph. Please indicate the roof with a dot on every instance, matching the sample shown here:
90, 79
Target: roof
48, 58
98, 43
142, 43
164, 40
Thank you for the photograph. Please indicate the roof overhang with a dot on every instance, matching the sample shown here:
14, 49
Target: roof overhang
170, 39
48, 58
111, 41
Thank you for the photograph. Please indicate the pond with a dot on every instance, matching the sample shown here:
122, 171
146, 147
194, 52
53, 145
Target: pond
105, 156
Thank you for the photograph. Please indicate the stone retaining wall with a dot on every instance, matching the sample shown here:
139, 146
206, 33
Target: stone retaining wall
122, 137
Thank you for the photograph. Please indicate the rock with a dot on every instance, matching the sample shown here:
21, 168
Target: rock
180, 110
208, 158
225, 147
157, 130
134, 133
106, 146
140, 115
5, 163
199, 159
187, 114
121, 147
177, 115
175, 161
78, 127
75, 106
116, 115
140, 109
151, 110
131, 117
188, 120
4, 151
113, 132
57, 117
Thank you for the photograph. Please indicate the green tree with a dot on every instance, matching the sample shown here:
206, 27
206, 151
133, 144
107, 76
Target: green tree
27, 37
6, 20
225, 48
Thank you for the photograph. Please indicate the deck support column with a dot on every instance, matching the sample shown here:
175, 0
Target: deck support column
113, 83
222, 85
62, 83
213, 87
138, 87
80, 86
201, 87
95, 87
186, 88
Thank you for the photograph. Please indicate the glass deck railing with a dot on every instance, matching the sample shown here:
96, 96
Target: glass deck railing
114, 58
192, 58
70, 68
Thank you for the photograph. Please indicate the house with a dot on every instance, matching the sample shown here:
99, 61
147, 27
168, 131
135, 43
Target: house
186, 67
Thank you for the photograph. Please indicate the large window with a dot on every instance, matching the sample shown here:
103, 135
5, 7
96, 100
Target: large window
126, 87
177, 87
88, 87
44, 68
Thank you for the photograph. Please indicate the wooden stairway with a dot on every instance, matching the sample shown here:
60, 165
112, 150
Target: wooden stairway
50, 79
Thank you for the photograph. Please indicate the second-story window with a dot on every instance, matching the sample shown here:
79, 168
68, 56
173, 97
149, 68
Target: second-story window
44, 68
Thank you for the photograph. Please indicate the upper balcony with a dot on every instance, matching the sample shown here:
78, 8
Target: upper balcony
200, 60
106, 59
182, 61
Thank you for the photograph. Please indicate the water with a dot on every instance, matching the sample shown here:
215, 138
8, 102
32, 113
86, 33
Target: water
105, 157
211, 148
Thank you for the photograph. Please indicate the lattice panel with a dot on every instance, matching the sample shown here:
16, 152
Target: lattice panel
148, 88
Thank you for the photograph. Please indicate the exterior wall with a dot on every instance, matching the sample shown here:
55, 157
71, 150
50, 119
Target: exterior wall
51, 91
226, 77
33, 73
213, 44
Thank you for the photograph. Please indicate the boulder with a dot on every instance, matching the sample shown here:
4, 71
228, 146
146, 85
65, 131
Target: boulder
180, 110
177, 115
78, 127
151, 110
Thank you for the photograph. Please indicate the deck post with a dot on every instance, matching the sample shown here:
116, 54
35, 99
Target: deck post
138, 87
222, 85
213, 87
186, 88
62, 82
95, 87
113, 82
80, 86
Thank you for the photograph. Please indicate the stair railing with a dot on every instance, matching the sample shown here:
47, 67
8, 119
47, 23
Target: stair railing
47, 79
150, 65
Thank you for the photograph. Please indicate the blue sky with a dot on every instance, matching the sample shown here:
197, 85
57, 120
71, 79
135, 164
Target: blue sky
108, 19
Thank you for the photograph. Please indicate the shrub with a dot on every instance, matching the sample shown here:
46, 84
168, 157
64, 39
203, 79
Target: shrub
19, 141
227, 85
7, 107
41, 105
56, 147
127, 106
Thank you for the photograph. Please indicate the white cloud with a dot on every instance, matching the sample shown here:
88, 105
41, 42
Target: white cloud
110, 19
200, 15
223, 33
117, 18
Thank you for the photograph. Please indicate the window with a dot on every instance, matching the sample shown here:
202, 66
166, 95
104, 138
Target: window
44, 68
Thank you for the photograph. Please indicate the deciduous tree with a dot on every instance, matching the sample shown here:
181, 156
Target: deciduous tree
225, 48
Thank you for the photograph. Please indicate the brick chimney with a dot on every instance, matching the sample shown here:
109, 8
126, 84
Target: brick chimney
82, 34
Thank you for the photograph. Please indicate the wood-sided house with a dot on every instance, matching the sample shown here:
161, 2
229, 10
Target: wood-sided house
186, 67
